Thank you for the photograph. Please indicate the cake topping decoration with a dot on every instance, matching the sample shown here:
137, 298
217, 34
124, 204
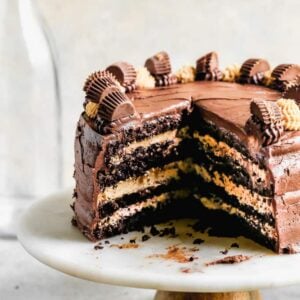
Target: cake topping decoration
231, 73
124, 73
207, 67
165, 80
290, 114
265, 121
186, 74
159, 64
91, 109
94, 87
267, 112
96, 75
292, 92
115, 105
284, 74
253, 71
144, 80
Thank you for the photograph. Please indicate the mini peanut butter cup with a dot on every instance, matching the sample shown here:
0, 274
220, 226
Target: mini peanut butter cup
94, 76
292, 92
286, 72
115, 105
267, 134
267, 112
123, 72
159, 64
207, 63
207, 67
96, 86
252, 70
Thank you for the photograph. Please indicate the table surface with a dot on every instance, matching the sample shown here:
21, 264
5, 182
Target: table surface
150, 264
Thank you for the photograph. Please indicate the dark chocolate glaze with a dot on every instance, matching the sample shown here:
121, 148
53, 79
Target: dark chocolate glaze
224, 104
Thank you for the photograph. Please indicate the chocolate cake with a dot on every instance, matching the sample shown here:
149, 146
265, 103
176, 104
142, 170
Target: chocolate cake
219, 146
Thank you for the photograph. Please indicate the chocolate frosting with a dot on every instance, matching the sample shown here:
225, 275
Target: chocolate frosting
228, 106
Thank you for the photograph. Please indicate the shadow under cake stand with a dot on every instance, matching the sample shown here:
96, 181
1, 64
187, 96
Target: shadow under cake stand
178, 267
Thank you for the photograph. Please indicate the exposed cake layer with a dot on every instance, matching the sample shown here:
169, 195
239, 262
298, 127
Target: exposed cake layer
222, 152
152, 178
261, 204
93, 151
251, 222
159, 139
139, 149
150, 211
139, 162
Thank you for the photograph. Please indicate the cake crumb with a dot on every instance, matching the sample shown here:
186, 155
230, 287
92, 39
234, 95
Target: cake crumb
224, 252
194, 249
107, 242
98, 247
198, 241
145, 237
235, 245
154, 231
132, 241
235, 259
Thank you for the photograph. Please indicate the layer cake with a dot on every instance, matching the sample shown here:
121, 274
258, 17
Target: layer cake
218, 146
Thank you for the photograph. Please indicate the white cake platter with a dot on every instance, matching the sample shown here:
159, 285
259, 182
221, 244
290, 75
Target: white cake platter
173, 264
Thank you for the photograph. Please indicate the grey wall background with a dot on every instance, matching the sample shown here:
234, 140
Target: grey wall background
91, 34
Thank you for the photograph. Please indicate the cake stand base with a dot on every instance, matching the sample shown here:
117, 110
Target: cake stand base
253, 295
46, 232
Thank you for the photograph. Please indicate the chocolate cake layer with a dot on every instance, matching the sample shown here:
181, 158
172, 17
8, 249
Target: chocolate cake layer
139, 161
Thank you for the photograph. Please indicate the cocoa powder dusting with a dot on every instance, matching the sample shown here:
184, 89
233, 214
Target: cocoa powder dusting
125, 246
175, 253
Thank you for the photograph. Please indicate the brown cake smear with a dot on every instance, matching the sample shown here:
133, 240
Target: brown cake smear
234, 259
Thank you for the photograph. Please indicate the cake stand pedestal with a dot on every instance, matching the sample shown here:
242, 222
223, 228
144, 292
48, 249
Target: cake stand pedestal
178, 267
254, 295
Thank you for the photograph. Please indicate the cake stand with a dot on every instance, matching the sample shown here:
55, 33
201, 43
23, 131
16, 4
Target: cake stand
179, 266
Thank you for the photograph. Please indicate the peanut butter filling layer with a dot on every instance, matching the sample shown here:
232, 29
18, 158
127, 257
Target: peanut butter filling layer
245, 196
160, 138
152, 178
221, 149
136, 208
215, 204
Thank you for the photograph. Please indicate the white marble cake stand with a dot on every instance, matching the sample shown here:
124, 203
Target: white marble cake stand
47, 234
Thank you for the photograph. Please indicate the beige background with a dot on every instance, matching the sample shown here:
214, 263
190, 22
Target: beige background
91, 34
